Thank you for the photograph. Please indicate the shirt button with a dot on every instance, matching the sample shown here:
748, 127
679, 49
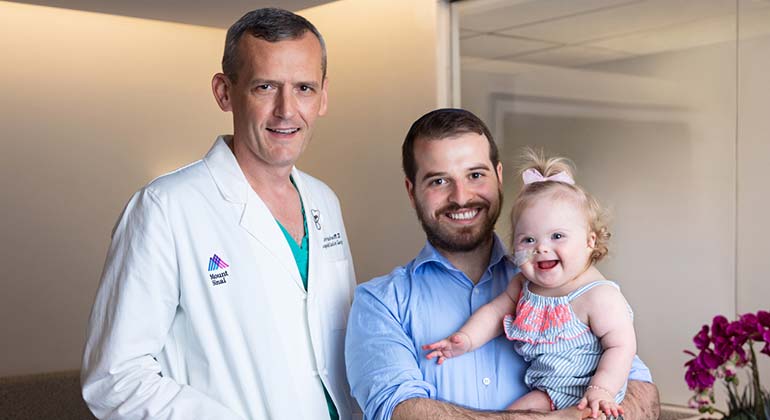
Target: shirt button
476, 291
486, 381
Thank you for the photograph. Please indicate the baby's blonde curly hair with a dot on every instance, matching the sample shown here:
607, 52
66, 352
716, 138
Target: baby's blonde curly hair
597, 215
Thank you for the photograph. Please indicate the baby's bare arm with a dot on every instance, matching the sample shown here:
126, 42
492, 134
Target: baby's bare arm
610, 320
486, 323
606, 312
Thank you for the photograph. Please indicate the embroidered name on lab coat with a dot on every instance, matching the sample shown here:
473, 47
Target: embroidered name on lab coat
332, 240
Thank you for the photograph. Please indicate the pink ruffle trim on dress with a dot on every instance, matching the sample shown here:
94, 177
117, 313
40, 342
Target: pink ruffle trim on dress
508, 323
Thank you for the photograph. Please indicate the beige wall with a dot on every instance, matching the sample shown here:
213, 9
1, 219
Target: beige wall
94, 106
753, 151
753, 188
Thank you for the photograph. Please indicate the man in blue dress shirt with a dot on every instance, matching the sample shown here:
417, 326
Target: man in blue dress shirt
454, 181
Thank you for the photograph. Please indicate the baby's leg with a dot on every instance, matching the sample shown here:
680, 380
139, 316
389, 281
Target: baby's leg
533, 400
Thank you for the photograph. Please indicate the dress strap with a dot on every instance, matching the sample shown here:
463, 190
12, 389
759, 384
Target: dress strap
577, 293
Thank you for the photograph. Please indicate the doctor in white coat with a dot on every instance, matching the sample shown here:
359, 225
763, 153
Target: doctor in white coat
227, 286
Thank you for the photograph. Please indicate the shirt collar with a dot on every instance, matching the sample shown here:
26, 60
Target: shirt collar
430, 254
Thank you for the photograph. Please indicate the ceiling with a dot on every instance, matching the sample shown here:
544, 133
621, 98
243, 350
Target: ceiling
220, 13
563, 33
577, 33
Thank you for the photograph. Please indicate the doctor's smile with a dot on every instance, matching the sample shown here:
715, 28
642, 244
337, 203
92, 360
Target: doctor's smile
283, 131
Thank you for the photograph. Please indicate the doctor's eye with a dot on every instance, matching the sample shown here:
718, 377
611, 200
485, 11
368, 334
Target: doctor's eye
438, 181
262, 88
306, 89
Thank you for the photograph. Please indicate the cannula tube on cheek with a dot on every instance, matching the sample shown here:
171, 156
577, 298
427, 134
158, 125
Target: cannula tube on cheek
522, 256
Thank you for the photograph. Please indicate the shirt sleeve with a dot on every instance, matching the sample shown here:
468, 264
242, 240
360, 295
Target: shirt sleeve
133, 312
381, 358
639, 371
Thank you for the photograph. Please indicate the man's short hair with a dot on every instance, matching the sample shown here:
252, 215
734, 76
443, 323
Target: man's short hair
442, 124
272, 25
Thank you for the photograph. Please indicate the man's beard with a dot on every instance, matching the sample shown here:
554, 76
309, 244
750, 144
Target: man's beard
467, 238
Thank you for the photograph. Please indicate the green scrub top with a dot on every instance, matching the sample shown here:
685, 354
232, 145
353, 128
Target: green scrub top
301, 252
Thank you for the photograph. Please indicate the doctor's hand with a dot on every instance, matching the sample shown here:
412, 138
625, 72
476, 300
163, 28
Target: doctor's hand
455, 345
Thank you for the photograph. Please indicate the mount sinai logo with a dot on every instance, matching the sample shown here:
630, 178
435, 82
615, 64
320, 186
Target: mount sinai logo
217, 264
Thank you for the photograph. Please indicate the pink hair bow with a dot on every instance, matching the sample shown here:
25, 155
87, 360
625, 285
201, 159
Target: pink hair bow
532, 175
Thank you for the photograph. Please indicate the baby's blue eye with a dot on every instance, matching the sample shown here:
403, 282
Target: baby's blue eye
557, 236
528, 240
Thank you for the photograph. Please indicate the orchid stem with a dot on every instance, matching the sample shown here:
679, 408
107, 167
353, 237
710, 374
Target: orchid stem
758, 397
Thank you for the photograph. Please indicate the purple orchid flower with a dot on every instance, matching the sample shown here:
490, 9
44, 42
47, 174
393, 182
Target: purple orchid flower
766, 339
764, 319
719, 325
751, 324
698, 378
721, 348
702, 339
708, 359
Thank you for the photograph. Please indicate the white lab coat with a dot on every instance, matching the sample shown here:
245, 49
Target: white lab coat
175, 334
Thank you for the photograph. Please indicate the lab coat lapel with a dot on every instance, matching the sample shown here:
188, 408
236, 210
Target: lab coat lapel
313, 232
261, 225
256, 218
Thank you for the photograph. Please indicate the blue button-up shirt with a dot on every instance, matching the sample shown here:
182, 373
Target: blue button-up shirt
428, 299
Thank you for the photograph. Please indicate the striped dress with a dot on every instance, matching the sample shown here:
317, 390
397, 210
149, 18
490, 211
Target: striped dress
562, 352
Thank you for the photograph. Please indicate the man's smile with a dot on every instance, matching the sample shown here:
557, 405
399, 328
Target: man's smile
286, 131
463, 214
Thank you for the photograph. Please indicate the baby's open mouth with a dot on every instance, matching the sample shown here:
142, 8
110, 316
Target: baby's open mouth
545, 265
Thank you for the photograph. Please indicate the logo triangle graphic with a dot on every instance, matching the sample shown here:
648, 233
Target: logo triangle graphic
216, 263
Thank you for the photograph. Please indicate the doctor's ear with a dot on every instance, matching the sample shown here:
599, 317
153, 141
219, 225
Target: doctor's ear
220, 87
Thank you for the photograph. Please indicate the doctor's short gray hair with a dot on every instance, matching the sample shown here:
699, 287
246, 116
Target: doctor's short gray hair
272, 25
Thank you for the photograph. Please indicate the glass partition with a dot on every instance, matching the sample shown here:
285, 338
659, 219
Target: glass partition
644, 97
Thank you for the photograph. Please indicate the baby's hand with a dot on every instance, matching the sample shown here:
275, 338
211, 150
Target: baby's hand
598, 400
455, 345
